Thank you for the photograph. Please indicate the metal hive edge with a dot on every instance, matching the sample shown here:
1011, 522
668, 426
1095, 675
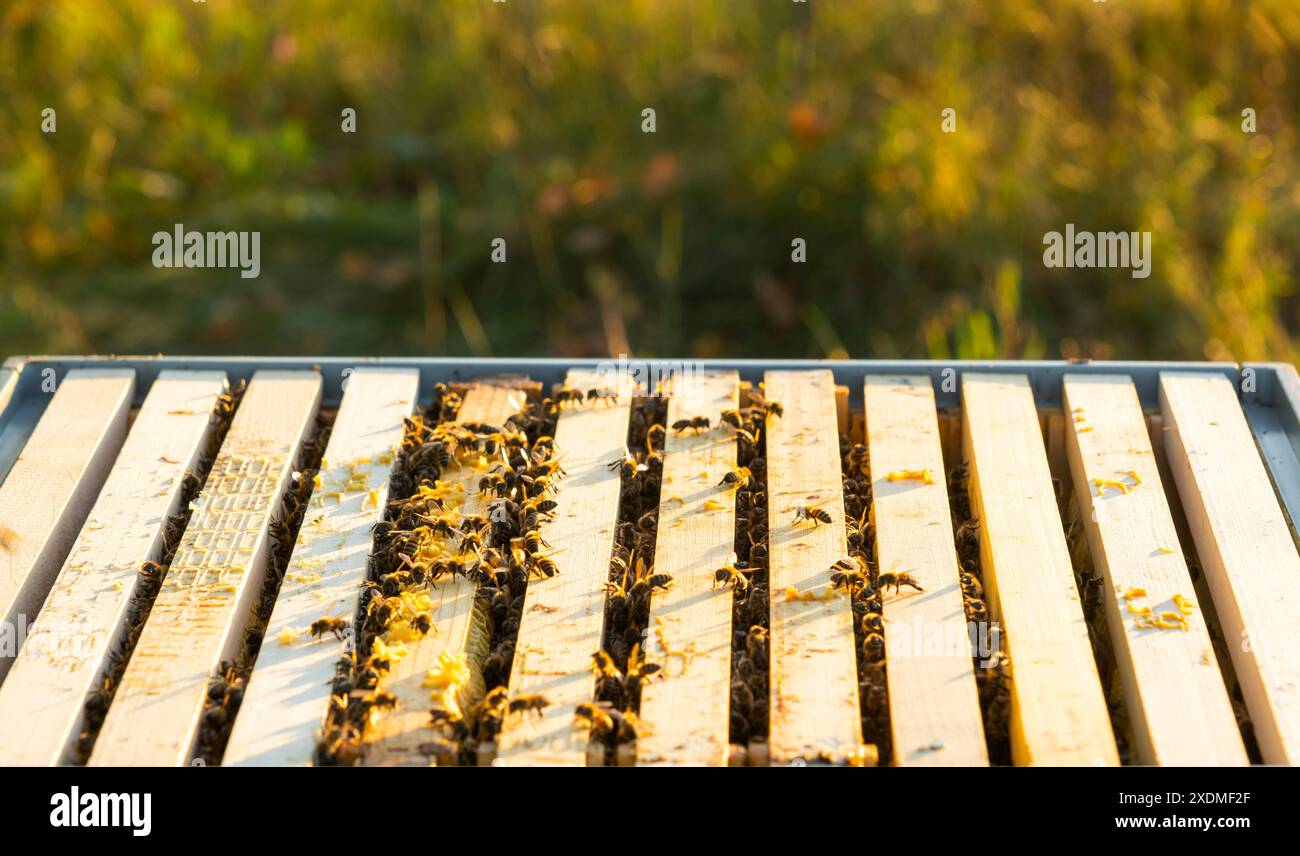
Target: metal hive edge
1044, 375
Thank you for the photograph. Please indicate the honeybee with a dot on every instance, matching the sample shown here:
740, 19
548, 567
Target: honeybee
768, 408
604, 667
470, 542
730, 575
534, 542
732, 418
492, 483
811, 513
638, 670
540, 506
695, 423
544, 470
439, 453
649, 583
545, 565
967, 540
456, 567
329, 624
602, 394
594, 717
748, 442
959, 491
628, 465
568, 395
738, 478
756, 641
897, 579
849, 574
491, 707
859, 532
856, 460
444, 527
475, 523
873, 647
534, 703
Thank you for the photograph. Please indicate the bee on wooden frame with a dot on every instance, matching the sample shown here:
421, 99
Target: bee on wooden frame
767, 408
330, 624
533, 703
897, 579
811, 513
695, 423
568, 395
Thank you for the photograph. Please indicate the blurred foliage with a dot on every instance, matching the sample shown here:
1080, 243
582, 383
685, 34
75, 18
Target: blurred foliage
775, 120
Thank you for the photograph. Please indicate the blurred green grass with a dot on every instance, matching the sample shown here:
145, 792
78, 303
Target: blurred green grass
775, 120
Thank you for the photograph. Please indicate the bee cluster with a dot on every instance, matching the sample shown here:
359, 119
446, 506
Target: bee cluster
427, 536
861, 577
619, 666
749, 611
992, 675
149, 580
226, 690
355, 691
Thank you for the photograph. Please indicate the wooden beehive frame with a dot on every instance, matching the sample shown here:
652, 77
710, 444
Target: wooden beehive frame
1212, 421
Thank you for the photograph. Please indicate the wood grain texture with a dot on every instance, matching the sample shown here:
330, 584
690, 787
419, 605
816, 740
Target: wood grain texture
563, 615
1059, 714
201, 612
50, 489
459, 624
1156, 432
1177, 703
288, 693
42, 702
814, 684
684, 711
933, 701
1246, 550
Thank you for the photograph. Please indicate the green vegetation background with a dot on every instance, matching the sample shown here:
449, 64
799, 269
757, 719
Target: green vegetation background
776, 120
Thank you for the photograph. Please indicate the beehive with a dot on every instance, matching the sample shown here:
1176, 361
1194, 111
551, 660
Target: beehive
417, 562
